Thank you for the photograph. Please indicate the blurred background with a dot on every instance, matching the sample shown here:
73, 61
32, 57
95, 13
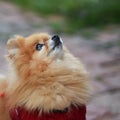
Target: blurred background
91, 31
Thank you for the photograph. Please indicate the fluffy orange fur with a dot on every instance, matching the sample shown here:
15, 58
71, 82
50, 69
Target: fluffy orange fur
43, 81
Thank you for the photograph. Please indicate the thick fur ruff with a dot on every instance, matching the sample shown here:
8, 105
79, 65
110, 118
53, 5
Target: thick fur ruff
44, 81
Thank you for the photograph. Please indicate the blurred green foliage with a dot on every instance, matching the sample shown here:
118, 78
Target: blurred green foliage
77, 13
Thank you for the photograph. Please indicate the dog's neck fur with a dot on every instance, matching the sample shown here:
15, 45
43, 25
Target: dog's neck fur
55, 88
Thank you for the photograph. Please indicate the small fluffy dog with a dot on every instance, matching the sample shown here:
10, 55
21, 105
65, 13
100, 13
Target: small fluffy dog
48, 83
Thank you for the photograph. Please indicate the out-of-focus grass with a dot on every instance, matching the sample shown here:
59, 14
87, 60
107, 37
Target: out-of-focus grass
77, 13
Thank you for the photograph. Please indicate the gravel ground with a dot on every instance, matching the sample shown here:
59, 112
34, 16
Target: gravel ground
99, 50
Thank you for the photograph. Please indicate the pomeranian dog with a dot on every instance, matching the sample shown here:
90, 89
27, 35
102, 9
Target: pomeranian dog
48, 83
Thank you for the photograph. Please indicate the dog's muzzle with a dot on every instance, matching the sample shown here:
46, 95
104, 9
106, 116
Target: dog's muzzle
57, 41
56, 46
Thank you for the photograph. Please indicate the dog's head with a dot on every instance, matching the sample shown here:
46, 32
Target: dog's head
37, 52
40, 46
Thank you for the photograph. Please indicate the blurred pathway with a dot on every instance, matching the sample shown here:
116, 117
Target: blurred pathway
100, 54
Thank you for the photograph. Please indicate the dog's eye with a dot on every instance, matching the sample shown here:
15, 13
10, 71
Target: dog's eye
39, 46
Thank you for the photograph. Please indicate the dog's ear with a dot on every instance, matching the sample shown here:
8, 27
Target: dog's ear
13, 45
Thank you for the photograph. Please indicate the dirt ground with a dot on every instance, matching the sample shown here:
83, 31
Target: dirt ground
99, 50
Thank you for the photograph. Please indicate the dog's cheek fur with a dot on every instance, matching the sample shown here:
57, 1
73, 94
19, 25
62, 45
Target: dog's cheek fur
27, 64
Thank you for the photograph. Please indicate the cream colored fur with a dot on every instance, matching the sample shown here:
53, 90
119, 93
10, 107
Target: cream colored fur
43, 81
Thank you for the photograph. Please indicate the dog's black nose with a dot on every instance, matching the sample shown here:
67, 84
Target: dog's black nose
56, 39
